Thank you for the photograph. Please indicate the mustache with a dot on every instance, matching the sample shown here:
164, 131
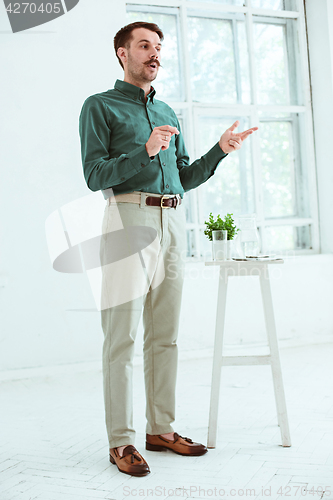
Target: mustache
156, 61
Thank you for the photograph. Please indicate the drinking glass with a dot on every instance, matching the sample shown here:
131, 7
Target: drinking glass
220, 238
248, 237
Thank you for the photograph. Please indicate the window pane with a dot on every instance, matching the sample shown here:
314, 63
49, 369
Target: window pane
274, 4
277, 169
271, 64
191, 251
268, 4
259, 4
230, 189
167, 84
283, 238
205, 245
244, 63
212, 60
228, 2
272, 115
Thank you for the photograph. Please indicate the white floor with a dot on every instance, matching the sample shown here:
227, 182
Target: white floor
53, 441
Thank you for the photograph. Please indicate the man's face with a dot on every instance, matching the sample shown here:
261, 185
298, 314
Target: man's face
143, 55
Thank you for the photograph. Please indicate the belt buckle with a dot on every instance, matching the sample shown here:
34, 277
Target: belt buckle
164, 197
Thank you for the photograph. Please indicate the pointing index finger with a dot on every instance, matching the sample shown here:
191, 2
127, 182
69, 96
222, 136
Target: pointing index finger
246, 133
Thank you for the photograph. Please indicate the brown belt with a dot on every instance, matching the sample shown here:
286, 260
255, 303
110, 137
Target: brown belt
151, 199
164, 201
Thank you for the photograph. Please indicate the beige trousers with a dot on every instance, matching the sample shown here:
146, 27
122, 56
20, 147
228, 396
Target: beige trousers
161, 310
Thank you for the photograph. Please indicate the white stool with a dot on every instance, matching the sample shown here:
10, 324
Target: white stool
246, 268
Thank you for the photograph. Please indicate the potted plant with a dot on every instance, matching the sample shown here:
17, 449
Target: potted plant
226, 224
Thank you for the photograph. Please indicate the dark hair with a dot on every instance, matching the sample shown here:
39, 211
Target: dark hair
124, 36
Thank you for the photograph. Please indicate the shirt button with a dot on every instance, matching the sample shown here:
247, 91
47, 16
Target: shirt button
122, 179
142, 165
153, 123
167, 186
163, 164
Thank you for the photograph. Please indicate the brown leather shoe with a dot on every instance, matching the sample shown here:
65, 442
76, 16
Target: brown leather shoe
131, 462
180, 445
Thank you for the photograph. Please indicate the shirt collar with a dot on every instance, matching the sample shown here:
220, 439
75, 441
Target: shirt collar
134, 92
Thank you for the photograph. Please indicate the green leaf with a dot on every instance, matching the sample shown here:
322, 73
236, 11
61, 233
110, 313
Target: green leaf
227, 224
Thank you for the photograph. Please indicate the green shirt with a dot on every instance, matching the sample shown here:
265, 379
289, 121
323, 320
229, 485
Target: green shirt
114, 128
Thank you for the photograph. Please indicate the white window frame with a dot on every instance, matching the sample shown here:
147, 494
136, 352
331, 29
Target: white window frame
192, 110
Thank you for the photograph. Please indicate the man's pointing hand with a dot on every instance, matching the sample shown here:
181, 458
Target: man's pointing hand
229, 141
160, 139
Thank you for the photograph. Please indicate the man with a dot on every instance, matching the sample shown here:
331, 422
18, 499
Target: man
131, 142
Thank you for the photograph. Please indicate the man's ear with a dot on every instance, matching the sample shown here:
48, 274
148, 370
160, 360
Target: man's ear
122, 54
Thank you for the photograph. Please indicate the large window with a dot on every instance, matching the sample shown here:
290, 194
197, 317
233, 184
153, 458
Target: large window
225, 60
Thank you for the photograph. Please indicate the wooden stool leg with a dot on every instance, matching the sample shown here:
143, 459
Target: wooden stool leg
217, 361
275, 358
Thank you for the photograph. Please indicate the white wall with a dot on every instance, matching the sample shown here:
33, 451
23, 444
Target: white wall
319, 18
330, 21
49, 72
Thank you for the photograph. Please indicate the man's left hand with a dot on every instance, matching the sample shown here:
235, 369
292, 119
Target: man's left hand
229, 141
